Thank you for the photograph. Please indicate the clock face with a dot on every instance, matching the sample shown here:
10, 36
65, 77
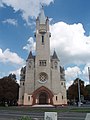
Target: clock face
55, 63
29, 64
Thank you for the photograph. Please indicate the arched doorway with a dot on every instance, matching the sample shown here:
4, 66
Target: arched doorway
43, 98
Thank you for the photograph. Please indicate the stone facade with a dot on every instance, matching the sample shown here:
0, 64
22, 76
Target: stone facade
42, 79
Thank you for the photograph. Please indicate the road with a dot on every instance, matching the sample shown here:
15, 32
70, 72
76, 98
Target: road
15, 115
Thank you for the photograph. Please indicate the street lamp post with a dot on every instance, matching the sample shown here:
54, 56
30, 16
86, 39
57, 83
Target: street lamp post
79, 102
89, 74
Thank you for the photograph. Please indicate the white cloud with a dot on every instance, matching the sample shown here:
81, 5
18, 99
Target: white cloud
31, 45
86, 72
71, 73
11, 21
17, 73
70, 43
8, 56
73, 48
29, 8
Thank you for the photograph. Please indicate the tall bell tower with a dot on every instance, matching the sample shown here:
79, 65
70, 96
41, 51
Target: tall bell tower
42, 63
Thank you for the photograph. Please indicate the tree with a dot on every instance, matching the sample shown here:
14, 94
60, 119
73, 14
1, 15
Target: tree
73, 90
12, 76
88, 92
9, 89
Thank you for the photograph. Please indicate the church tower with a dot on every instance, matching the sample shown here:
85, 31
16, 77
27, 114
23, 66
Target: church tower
42, 79
42, 50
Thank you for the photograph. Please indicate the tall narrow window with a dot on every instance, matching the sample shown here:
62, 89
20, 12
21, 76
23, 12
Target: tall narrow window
56, 98
42, 39
23, 83
55, 65
61, 83
28, 98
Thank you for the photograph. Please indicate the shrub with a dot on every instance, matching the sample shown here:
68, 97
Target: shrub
25, 118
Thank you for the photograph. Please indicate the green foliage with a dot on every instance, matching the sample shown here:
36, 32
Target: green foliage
82, 110
72, 91
8, 90
25, 118
88, 92
12, 76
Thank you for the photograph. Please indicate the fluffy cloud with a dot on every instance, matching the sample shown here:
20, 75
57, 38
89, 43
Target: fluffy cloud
70, 43
29, 8
73, 48
71, 73
86, 72
31, 45
11, 21
17, 73
8, 56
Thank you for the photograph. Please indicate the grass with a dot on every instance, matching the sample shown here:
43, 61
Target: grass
60, 109
84, 110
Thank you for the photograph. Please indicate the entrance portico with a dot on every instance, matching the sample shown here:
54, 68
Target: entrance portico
42, 96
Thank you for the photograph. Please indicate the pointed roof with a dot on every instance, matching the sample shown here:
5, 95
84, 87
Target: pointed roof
42, 17
54, 56
62, 69
30, 56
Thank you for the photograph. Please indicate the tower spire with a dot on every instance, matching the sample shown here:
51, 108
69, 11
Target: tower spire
55, 55
42, 17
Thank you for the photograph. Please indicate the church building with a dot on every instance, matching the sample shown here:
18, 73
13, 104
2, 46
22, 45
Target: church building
42, 80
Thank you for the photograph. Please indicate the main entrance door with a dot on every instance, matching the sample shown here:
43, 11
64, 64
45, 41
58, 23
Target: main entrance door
43, 98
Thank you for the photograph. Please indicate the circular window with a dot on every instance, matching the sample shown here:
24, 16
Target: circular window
43, 77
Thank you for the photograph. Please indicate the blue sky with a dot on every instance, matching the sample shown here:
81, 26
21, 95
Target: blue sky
70, 30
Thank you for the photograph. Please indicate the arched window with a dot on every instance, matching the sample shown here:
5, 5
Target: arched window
28, 98
42, 63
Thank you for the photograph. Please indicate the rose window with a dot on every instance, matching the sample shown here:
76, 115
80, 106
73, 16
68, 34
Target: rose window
43, 77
